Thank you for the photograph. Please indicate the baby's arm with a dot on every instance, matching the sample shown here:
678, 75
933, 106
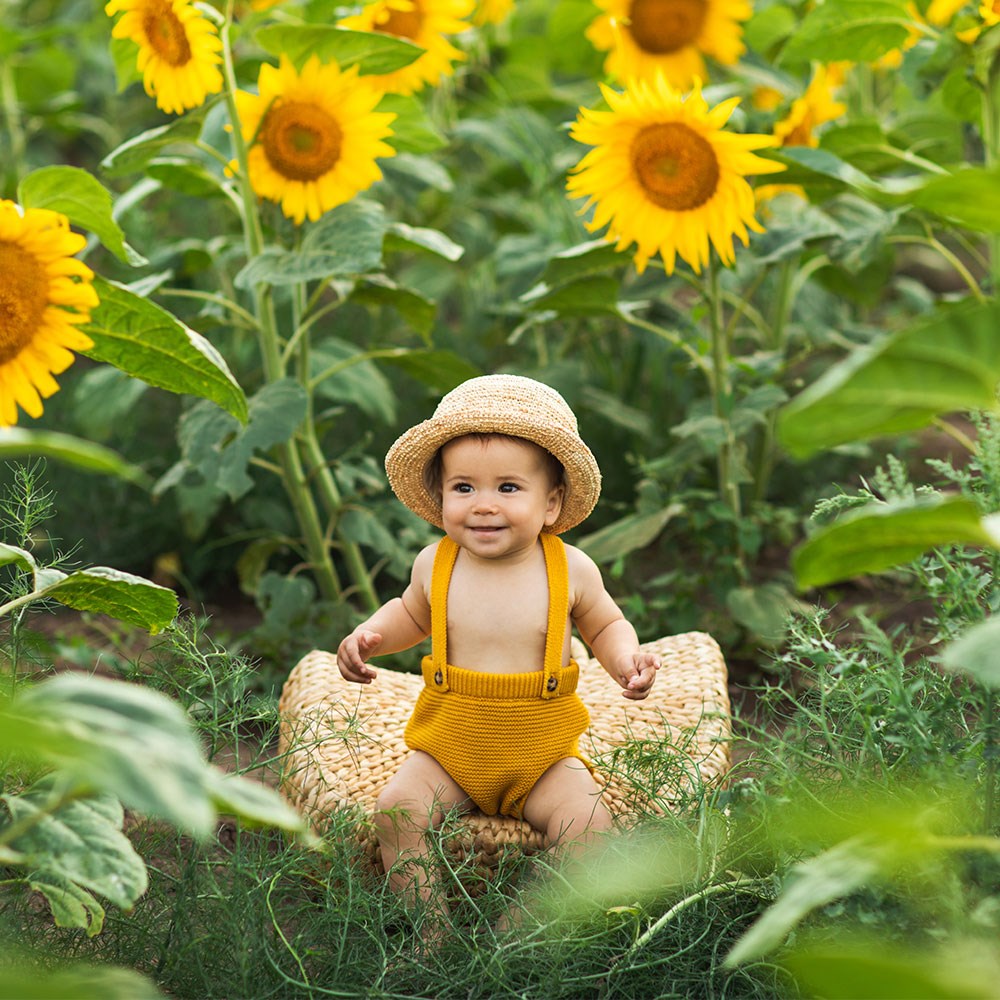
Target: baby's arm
398, 624
606, 631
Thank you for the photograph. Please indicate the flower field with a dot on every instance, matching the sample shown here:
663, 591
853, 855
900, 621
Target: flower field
756, 246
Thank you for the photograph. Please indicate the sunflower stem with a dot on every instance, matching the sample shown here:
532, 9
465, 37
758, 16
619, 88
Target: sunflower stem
991, 145
292, 473
722, 392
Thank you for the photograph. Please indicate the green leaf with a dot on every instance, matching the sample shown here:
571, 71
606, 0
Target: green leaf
129, 741
583, 297
121, 595
880, 536
149, 343
968, 198
847, 969
820, 880
581, 261
354, 378
412, 131
804, 161
441, 371
135, 153
26, 981
371, 52
976, 653
764, 609
400, 236
344, 242
856, 30
71, 450
19, 557
79, 845
627, 534
379, 290
83, 200
276, 411
949, 361
192, 179
255, 804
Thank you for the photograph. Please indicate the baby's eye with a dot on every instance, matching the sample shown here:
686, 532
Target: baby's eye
509, 487
462, 487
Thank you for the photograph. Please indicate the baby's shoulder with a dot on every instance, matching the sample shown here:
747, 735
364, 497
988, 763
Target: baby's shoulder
583, 571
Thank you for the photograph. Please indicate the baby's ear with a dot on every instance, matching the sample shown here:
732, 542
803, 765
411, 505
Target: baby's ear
554, 506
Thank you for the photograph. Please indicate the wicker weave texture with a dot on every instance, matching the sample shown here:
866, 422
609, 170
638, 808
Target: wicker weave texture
344, 741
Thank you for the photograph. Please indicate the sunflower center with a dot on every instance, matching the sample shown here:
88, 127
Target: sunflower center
402, 23
301, 141
664, 26
165, 33
676, 167
24, 296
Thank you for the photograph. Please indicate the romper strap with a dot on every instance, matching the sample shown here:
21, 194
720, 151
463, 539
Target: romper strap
444, 563
557, 571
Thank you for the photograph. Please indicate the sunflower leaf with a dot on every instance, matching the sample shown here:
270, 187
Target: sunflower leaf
880, 536
83, 200
947, 362
372, 52
149, 343
856, 30
969, 197
83, 454
136, 152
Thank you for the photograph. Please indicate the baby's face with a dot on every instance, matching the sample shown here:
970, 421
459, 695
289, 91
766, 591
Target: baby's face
496, 495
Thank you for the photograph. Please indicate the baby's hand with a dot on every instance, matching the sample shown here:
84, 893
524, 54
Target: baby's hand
638, 676
352, 654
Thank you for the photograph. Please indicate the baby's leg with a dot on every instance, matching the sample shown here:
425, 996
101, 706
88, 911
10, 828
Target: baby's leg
566, 804
414, 800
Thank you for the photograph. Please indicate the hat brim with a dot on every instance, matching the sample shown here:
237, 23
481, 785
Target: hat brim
409, 456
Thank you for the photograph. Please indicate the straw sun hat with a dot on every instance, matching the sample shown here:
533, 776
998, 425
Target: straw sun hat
497, 404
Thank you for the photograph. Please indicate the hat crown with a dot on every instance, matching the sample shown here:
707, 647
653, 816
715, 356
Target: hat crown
508, 396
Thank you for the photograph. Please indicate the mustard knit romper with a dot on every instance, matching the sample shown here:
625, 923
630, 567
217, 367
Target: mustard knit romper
497, 734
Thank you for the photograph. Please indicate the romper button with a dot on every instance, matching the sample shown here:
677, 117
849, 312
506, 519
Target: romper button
551, 684
438, 677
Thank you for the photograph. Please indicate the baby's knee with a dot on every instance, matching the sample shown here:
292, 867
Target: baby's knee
398, 803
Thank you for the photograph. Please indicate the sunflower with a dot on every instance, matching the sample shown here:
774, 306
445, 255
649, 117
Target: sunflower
990, 14
314, 136
178, 50
798, 128
643, 37
45, 291
492, 11
664, 175
423, 22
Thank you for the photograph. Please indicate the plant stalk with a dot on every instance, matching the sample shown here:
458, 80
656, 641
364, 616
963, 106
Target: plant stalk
722, 394
293, 476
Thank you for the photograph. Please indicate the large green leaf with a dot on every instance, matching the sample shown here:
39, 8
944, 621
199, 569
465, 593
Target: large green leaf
371, 52
845, 969
149, 343
15, 442
855, 30
802, 161
883, 535
969, 197
344, 242
947, 362
976, 653
26, 981
820, 880
133, 743
590, 296
83, 200
412, 131
111, 592
76, 850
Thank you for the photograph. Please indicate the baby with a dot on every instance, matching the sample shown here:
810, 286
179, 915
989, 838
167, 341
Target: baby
501, 468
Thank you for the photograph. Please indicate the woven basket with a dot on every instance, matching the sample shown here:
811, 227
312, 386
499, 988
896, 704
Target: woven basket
342, 742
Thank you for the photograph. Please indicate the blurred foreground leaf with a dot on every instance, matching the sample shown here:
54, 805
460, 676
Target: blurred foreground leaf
880, 536
947, 362
25, 981
977, 653
136, 744
856, 30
